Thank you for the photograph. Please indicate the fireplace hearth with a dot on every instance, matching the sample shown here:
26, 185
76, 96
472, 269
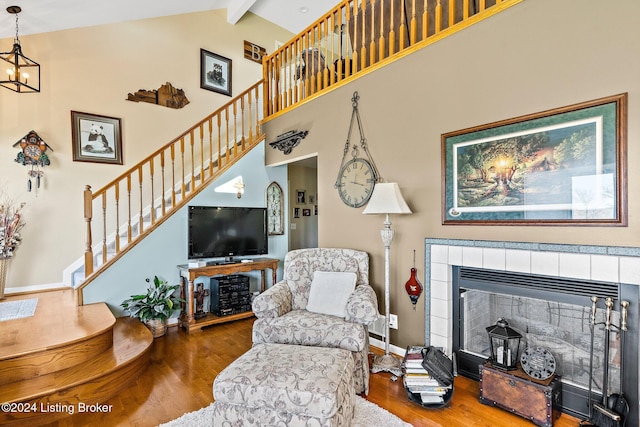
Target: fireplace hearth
544, 292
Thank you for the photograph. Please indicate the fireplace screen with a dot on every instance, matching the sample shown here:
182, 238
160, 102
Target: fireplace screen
562, 328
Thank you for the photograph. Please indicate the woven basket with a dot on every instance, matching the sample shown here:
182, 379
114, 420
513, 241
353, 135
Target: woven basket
157, 327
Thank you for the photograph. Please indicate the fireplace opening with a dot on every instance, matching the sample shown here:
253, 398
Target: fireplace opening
553, 313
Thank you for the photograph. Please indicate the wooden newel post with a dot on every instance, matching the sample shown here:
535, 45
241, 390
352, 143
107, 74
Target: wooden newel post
88, 213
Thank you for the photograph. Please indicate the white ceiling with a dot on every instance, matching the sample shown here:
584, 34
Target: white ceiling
42, 16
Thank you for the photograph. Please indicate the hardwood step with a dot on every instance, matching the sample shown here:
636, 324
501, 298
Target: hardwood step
58, 336
56, 395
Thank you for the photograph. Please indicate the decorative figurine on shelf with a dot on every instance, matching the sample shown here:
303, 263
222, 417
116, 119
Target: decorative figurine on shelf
413, 285
199, 296
33, 154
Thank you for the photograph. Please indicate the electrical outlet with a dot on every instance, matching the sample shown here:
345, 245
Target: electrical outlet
393, 321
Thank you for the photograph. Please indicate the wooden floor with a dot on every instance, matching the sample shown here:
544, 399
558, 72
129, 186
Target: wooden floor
180, 376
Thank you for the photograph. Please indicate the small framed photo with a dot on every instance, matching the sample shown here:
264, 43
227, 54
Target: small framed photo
296, 212
301, 197
306, 212
96, 138
215, 72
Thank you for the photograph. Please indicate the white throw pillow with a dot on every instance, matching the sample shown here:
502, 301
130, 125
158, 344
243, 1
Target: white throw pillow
330, 291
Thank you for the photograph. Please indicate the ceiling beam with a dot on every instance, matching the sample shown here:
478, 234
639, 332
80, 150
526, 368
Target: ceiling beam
237, 9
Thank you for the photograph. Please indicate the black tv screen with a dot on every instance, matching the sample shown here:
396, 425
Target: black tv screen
227, 232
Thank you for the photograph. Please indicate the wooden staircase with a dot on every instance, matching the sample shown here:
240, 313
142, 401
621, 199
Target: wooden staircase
66, 357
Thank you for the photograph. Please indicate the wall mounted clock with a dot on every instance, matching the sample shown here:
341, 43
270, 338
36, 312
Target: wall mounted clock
357, 176
275, 209
33, 153
355, 182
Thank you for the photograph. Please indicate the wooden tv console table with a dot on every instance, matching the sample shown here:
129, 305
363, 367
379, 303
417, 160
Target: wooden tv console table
188, 274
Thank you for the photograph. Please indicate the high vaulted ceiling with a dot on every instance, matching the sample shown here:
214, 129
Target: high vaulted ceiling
41, 16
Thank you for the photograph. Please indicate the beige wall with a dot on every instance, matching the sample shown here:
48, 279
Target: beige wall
535, 56
92, 70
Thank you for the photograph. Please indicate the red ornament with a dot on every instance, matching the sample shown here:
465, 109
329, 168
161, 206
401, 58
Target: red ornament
413, 287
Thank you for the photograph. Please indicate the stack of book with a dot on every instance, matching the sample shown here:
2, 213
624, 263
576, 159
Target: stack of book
418, 381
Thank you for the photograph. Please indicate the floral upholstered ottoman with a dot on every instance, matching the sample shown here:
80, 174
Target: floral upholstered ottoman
286, 385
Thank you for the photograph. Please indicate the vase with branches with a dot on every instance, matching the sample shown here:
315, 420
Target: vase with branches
11, 223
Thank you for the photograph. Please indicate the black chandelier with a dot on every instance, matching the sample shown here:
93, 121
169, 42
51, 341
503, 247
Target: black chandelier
22, 74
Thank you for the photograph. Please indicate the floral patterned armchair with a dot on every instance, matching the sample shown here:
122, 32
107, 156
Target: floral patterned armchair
283, 318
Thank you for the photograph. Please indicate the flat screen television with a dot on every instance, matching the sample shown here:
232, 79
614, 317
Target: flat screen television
216, 231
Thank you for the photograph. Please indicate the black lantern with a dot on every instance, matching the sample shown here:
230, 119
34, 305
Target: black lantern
505, 344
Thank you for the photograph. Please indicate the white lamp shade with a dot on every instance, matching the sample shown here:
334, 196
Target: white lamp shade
386, 199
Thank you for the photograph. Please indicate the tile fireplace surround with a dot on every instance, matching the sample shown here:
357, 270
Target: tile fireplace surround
601, 263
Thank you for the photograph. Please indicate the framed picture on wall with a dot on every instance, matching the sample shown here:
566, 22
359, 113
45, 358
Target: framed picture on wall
96, 138
215, 72
301, 197
565, 166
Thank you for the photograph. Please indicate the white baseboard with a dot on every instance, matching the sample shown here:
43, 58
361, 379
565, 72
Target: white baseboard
392, 348
35, 288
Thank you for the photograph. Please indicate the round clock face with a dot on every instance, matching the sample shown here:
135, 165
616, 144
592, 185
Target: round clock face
274, 209
538, 363
356, 182
32, 151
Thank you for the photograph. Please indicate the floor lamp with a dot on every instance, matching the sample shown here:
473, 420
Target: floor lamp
386, 199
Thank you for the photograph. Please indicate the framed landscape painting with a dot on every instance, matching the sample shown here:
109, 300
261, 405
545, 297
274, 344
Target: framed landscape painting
565, 166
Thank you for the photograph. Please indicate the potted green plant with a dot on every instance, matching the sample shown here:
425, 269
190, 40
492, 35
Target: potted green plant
155, 307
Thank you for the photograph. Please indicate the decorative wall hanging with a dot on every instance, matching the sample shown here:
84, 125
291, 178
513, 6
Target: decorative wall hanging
215, 72
33, 155
565, 166
413, 286
96, 138
357, 176
289, 140
166, 95
253, 52
275, 209
23, 74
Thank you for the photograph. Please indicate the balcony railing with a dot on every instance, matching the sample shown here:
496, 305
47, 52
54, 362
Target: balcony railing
357, 36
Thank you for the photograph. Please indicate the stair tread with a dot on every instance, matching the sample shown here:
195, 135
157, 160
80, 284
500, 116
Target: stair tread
58, 321
131, 339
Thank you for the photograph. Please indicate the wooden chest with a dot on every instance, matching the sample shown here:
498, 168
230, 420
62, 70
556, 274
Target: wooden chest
515, 391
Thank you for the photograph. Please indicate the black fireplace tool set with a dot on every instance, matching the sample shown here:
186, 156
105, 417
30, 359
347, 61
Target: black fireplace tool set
613, 410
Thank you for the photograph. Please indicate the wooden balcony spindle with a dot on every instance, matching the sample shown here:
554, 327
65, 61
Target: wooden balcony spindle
355, 37
117, 203
104, 227
438, 23
347, 67
257, 122
210, 122
226, 145
372, 44
242, 116
363, 50
250, 114
219, 142
413, 35
452, 12
182, 174
140, 215
201, 129
235, 133
173, 175
88, 214
153, 201
403, 27
193, 161
425, 21
483, 5
129, 229
164, 203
